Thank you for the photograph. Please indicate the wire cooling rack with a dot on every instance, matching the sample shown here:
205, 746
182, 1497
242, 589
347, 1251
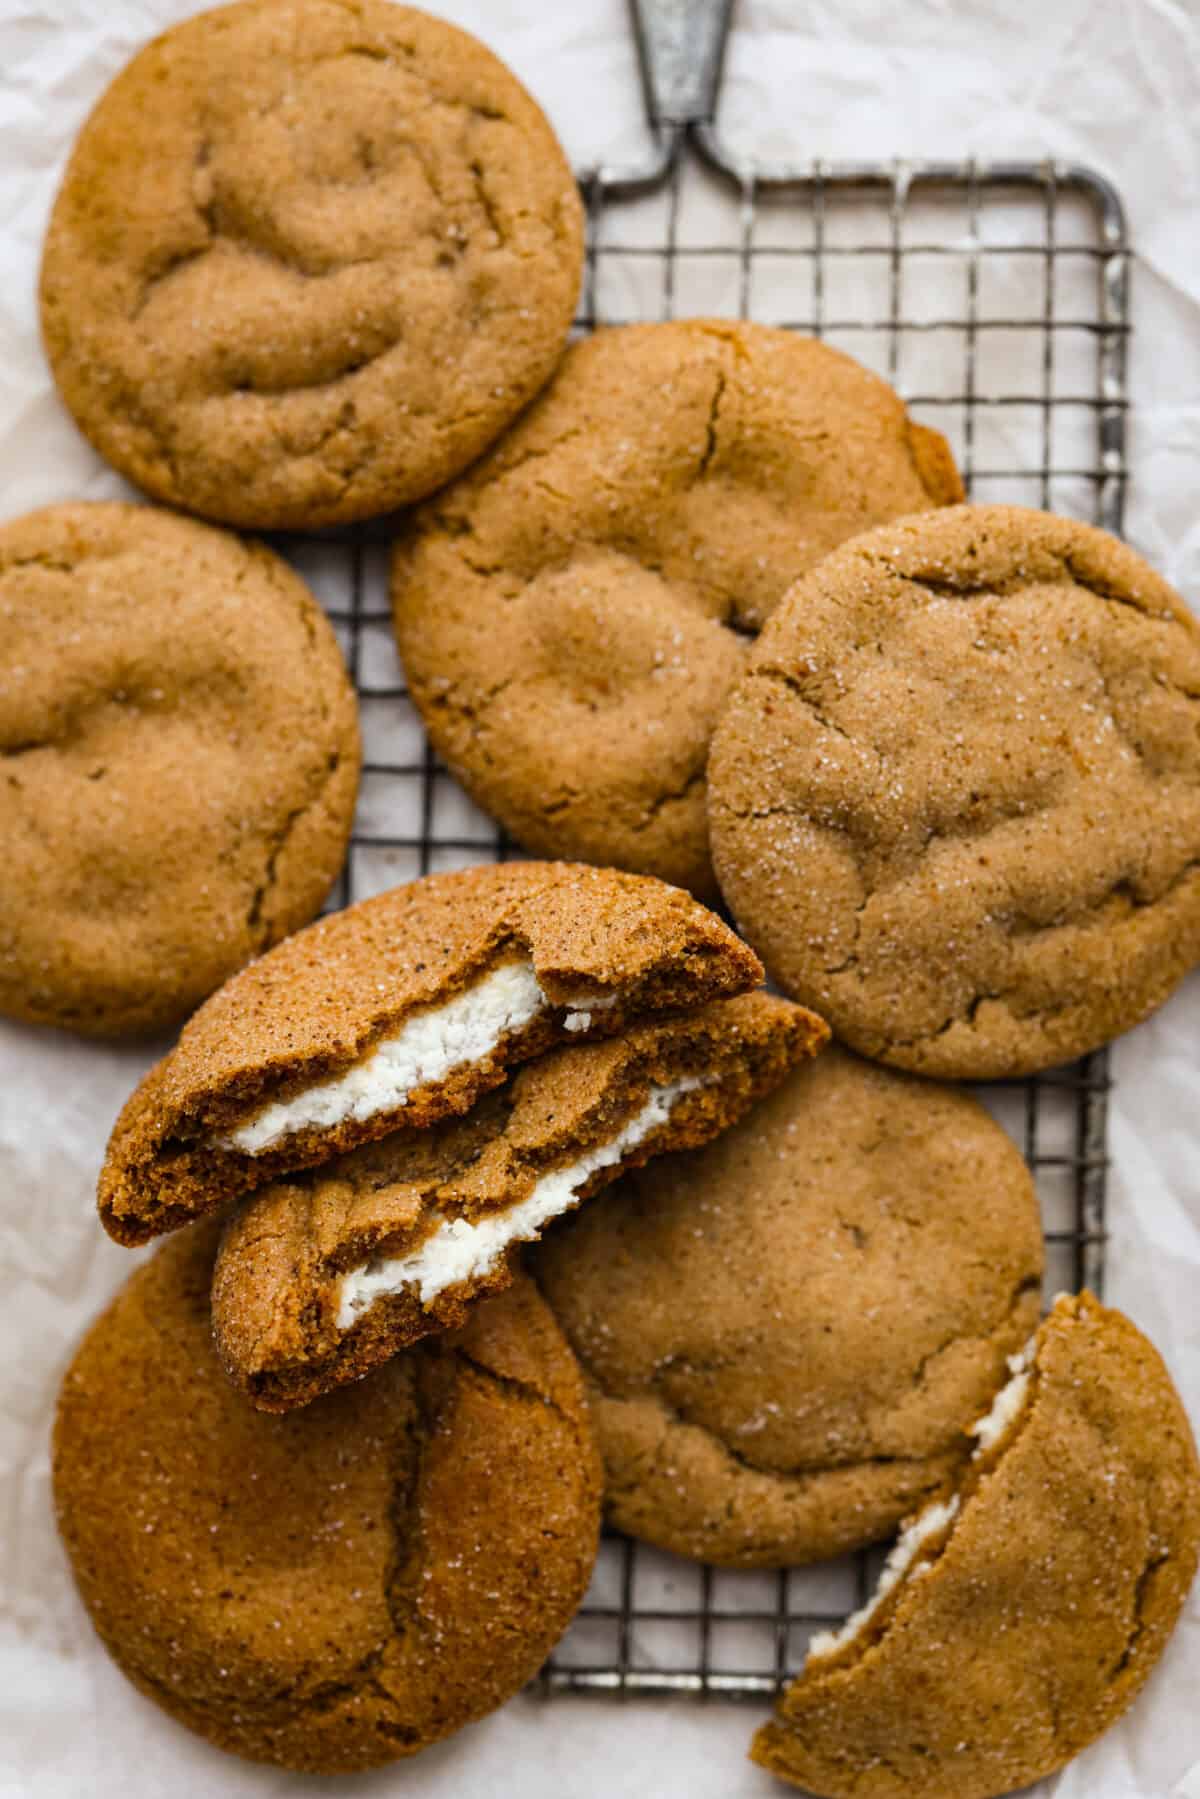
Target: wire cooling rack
995, 298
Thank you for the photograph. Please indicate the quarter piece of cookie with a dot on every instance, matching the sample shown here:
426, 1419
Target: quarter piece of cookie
572, 613
1022, 1610
788, 1333
402, 1009
340, 1588
955, 798
179, 760
322, 1277
308, 259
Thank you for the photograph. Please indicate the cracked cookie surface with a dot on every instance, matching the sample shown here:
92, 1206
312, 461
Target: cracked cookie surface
1032, 1619
340, 1588
179, 761
572, 613
308, 259
291, 1253
955, 798
788, 1333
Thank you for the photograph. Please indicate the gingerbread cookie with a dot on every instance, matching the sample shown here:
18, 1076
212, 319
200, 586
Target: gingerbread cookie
572, 613
179, 762
308, 260
401, 1010
788, 1333
955, 798
1023, 1609
337, 1589
321, 1278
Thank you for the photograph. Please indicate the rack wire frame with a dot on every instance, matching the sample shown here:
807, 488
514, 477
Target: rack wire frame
775, 242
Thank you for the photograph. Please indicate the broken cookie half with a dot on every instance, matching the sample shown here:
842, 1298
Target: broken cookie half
1022, 1609
401, 1010
322, 1277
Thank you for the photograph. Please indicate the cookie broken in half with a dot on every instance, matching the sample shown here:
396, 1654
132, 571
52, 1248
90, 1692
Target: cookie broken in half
403, 1009
321, 1277
1022, 1609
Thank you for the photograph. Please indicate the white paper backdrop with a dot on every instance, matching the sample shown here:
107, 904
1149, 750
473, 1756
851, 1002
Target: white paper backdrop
1113, 83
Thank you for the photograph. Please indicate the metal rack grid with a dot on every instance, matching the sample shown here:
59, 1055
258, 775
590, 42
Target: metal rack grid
995, 298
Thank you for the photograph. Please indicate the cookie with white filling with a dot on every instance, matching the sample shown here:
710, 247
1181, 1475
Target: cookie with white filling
401, 1010
322, 1277
1024, 1609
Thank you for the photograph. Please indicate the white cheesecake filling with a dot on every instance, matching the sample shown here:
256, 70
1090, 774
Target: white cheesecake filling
460, 1251
988, 1430
583, 1005
1008, 1401
926, 1524
426, 1048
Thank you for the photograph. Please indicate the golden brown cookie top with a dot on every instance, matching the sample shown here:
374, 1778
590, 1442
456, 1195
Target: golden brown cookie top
180, 753
955, 798
1049, 1591
587, 948
572, 612
788, 1333
323, 1276
307, 260
333, 1590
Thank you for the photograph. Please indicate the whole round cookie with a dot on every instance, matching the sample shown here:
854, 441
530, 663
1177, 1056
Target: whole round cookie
335, 1589
1022, 1609
572, 613
788, 1333
179, 762
955, 798
308, 260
